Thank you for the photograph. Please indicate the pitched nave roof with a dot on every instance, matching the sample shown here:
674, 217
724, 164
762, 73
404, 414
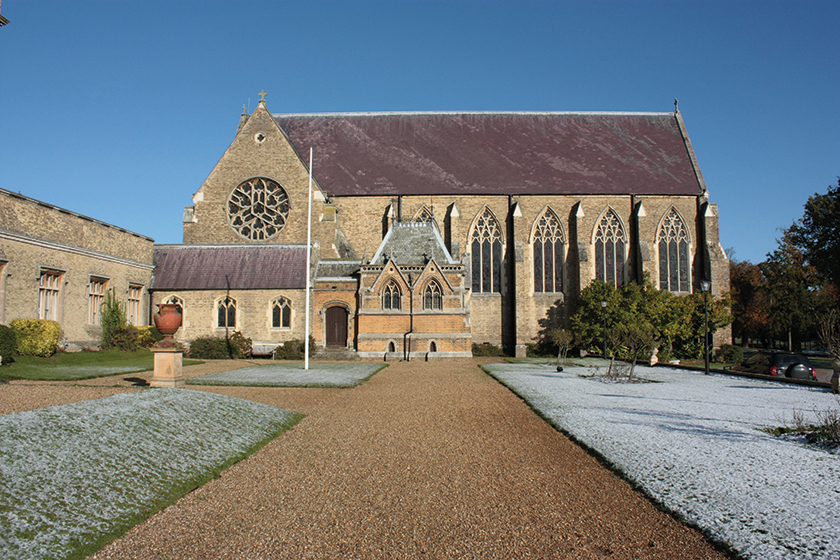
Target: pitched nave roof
496, 153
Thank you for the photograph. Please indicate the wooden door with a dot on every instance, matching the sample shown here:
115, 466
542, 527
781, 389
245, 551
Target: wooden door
337, 327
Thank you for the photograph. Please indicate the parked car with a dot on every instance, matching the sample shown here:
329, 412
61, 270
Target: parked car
787, 364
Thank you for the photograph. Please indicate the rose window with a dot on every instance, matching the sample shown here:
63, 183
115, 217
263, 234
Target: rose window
258, 209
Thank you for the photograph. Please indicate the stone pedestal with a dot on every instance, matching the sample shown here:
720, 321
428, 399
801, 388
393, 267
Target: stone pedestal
168, 367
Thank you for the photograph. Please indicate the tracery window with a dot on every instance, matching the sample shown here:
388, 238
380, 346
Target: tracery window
391, 296
281, 313
433, 296
486, 249
226, 313
177, 301
49, 290
96, 297
424, 215
610, 246
673, 253
258, 209
549, 253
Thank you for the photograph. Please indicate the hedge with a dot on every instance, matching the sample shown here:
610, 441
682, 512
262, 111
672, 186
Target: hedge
8, 344
36, 337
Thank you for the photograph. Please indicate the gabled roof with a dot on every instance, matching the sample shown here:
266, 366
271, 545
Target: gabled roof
412, 243
235, 267
497, 153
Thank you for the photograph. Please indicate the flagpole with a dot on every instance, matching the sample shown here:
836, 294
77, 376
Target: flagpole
308, 264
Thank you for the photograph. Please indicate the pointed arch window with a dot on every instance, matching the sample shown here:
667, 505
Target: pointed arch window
433, 296
610, 248
672, 240
226, 313
176, 301
424, 215
549, 253
486, 249
281, 313
391, 296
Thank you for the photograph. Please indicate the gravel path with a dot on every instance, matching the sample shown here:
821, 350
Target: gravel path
425, 460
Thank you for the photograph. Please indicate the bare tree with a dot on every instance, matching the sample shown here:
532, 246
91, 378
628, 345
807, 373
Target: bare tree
564, 339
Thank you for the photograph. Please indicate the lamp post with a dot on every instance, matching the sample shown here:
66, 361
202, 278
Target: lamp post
604, 307
705, 285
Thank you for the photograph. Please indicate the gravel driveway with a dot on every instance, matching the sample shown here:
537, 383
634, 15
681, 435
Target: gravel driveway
424, 460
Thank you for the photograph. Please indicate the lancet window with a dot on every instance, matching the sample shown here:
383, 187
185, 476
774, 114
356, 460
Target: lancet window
433, 296
610, 247
672, 241
549, 253
391, 296
281, 313
226, 313
486, 249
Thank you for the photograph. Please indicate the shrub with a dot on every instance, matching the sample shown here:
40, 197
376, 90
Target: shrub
112, 319
36, 337
209, 348
212, 348
147, 336
729, 354
487, 349
8, 344
293, 350
125, 337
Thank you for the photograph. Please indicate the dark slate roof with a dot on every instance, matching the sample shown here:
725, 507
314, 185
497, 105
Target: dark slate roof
237, 267
337, 269
496, 153
412, 243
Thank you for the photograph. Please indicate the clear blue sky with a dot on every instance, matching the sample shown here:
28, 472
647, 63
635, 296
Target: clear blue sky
119, 109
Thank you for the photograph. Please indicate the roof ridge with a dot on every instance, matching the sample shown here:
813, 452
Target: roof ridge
486, 113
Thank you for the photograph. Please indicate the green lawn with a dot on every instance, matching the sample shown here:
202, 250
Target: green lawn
80, 365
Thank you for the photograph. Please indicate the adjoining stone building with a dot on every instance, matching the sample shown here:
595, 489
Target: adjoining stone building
515, 213
57, 264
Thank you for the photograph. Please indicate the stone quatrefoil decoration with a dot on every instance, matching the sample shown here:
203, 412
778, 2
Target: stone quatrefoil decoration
258, 209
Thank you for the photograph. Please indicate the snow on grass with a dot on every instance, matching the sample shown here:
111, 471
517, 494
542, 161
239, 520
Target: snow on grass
695, 444
74, 476
319, 374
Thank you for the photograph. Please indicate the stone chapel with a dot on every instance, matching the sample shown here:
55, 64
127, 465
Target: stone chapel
434, 231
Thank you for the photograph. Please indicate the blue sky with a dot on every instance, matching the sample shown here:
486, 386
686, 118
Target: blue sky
119, 109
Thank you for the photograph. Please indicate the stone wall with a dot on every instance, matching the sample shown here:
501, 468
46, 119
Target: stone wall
253, 314
38, 237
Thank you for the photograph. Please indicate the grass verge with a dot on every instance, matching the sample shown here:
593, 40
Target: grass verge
65, 366
78, 476
292, 374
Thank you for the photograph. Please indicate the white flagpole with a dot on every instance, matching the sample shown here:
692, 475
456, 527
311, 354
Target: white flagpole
308, 264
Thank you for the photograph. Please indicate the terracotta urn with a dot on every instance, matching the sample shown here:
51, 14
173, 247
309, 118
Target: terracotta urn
167, 321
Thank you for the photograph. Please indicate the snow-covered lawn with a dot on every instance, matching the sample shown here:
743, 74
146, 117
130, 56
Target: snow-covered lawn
292, 374
694, 444
73, 476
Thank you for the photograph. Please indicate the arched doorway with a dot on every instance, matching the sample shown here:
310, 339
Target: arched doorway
337, 327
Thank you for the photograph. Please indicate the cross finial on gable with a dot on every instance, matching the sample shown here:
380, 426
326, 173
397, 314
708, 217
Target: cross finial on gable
676, 105
262, 96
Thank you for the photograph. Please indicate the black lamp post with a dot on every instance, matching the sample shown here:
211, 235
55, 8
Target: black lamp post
604, 307
705, 285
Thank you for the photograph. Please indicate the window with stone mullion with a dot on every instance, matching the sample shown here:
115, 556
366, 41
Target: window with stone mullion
673, 254
548, 254
391, 296
486, 249
227, 313
281, 314
433, 297
610, 241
